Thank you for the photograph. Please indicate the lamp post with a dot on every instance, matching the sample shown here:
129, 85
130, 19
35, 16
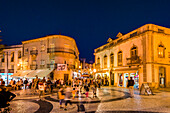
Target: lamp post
7, 67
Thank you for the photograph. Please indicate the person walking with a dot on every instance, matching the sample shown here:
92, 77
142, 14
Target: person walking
61, 96
41, 87
130, 86
68, 95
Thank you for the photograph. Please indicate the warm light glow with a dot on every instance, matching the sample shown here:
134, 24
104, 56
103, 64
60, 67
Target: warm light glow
94, 70
18, 64
79, 66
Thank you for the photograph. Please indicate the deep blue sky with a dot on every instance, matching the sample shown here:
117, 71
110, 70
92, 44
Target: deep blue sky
89, 22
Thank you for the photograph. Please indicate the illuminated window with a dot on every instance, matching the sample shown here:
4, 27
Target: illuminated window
120, 58
98, 60
105, 61
134, 52
161, 51
112, 60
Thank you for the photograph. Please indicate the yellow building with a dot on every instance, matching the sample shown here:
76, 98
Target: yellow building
56, 56
143, 54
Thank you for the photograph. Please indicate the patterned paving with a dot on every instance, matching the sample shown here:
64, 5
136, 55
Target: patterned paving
110, 100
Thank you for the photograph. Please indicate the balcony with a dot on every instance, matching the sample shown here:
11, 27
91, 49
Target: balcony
134, 60
10, 70
62, 50
52, 65
34, 52
33, 66
70, 66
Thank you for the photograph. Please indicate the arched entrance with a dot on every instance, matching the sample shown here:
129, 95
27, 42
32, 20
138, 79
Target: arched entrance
162, 77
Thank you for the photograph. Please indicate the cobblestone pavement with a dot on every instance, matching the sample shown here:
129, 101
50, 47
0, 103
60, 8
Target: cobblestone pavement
109, 100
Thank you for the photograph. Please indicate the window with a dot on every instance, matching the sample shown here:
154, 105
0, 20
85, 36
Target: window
98, 60
161, 51
26, 51
12, 66
19, 54
42, 48
111, 60
105, 61
12, 56
120, 58
42, 62
3, 57
133, 52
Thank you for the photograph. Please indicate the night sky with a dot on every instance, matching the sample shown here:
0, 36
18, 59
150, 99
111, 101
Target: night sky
89, 22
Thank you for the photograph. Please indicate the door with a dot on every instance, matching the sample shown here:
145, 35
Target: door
66, 76
162, 76
112, 78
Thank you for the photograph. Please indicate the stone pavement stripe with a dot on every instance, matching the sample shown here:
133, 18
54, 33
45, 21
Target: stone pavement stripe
45, 107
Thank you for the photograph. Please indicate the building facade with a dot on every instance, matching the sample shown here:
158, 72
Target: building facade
10, 58
57, 53
143, 54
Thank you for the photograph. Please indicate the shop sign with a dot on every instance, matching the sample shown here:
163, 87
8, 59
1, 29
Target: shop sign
145, 89
61, 67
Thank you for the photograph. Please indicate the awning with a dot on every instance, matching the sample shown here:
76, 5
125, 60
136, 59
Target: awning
21, 73
40, 73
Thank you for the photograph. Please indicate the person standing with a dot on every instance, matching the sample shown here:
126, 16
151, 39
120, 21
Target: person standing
130, 86
25, 83
41, 87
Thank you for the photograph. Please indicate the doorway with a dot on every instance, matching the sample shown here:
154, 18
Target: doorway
112, 78
66, 76
162, 76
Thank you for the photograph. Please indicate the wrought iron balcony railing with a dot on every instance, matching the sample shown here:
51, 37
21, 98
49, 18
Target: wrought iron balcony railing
133, 60
58, 49
33, 66
10, 70
34, 52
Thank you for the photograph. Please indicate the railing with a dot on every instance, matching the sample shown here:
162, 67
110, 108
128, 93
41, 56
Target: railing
10, 70
34, 52
133, 60
58, 49
33, 66
70, 66
52, 65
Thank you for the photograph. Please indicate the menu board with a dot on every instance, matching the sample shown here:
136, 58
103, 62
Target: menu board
145, 89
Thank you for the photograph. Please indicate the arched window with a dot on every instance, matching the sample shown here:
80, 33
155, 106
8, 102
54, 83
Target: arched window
161, 51
120, 58
98, 60
134, 52
111, 60
105, 61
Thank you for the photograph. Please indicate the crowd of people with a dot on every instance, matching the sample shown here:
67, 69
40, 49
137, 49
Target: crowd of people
67, 90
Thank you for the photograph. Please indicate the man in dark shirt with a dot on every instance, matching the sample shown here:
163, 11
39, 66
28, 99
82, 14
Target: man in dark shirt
130, 86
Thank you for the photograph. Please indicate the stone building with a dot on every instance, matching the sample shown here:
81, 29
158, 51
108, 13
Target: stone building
143, 54
10, 60
54, 56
